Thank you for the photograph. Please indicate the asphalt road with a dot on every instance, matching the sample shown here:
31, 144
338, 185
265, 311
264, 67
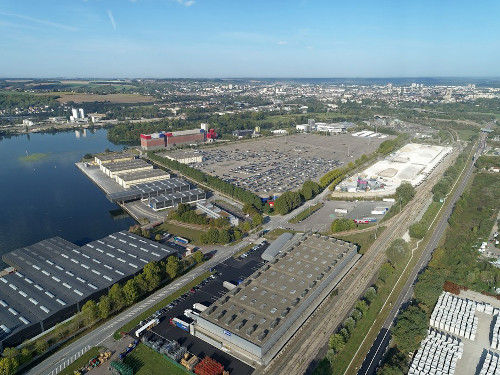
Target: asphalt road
383, 339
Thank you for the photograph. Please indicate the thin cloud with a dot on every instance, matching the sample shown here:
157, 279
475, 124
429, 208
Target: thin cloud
40, 21
112, 19
186, 3
282, 43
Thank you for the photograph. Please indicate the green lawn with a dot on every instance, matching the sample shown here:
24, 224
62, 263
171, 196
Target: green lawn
272, 235
363, 239
193, 235
132, 323
305, 213
145, 361
80, 362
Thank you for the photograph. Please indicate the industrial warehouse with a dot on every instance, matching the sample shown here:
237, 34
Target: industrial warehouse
256, 319
54, 278
149, 189
171, 200
160, 140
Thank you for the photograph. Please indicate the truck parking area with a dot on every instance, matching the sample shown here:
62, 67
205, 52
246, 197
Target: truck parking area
207, 292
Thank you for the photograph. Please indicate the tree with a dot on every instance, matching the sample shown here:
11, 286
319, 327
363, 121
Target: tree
198, 256
117, 297
362, 307
418, 230
410, 329
224, 236
350, 324
385, 272
309, 189
41, 346
90, 312
172, 266
152, 275
213, 235
25, 355
104, 306
10, 352
130, 292
336, 342
158, 237
342, 224
405, 191
246, 226
236, 234
8, 366
397, 252
370, 294
357, 315
257, 220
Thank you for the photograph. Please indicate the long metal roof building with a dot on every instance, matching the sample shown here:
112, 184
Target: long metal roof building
54, 278
261, 314
149, 189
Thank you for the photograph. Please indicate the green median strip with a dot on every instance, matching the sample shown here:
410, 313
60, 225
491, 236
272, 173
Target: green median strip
134, 322
305, 213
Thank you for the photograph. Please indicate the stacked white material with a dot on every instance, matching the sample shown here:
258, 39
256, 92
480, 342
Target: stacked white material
491, 365
495, 334
455, 315
485, 307
438, 354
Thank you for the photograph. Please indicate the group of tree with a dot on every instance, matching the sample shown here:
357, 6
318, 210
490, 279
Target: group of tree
487, 162
404, 193
443, 186
187, 214
220, 236
342, 224
338, 340
456, 260
213, 182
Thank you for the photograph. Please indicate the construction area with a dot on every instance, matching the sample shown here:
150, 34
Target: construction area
412, 163
273, 165
463, 338
255, 319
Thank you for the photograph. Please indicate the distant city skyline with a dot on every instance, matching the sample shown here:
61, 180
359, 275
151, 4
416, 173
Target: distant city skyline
224, 39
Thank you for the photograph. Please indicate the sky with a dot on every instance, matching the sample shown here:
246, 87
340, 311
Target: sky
249, 38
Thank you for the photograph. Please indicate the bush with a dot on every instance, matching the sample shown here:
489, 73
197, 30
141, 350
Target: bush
343, 224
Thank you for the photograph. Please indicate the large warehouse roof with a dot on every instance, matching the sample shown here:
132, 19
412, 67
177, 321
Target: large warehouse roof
110, 156
140, 175
150, 189
54, 274
126, 165
271, 298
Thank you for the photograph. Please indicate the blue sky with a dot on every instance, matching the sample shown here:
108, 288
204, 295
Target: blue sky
252, 38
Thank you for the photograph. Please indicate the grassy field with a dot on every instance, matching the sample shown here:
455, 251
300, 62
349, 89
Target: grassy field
145, 361
363, 239
193, 235
465, 134
80, 362
33, 157
112, 98
272, 235
305, 213
132, 323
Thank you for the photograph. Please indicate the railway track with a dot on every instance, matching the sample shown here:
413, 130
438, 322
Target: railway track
301, 350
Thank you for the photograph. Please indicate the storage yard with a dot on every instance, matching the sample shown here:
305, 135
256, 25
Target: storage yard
411, 163
273, 165
463, 338
54, 278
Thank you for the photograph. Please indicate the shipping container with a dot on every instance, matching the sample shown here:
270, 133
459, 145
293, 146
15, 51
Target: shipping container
378, 212
200, 306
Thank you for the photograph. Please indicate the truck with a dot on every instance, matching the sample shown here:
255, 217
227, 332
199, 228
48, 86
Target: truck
147, 326
183, 323
388, 200
228, 285
200, 306
341, 210
361, 221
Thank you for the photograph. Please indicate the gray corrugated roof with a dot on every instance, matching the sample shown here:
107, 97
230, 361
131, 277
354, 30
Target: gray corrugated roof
276, 246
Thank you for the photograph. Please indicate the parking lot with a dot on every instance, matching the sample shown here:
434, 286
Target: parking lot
322, 219
207, 292
273, 165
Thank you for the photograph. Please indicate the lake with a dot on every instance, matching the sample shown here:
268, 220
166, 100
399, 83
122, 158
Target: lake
43, 194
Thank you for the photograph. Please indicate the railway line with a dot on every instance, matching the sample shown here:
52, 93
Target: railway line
310, 341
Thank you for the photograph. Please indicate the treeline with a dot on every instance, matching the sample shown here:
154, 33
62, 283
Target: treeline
290, 200
212, 182
118, 297
404, 193
12, 100
487, 162
443, 186
457, 260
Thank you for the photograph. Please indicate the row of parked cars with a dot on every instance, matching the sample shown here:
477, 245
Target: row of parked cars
175, 302
255, 248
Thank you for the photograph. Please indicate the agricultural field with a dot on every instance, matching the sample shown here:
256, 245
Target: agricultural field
111, 98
